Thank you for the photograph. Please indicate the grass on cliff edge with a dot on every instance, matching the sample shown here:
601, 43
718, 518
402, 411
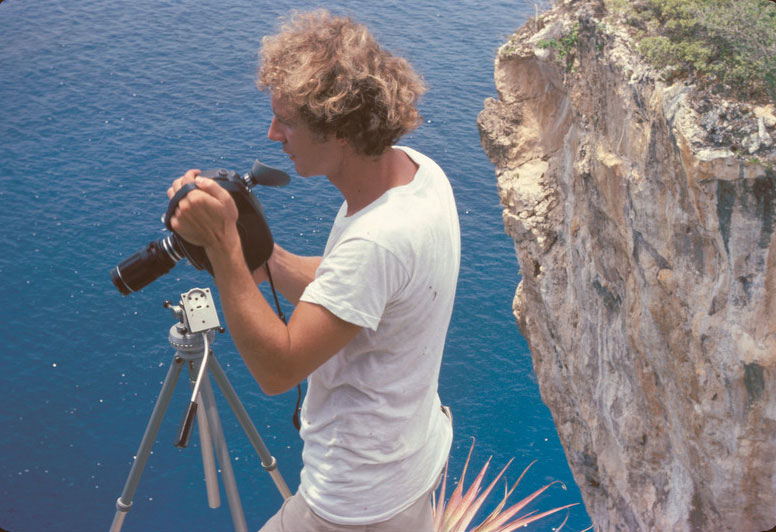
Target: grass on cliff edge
728, 44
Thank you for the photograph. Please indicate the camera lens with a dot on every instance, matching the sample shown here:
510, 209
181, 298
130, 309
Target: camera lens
147, 265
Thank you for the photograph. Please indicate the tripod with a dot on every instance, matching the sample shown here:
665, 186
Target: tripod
190, 337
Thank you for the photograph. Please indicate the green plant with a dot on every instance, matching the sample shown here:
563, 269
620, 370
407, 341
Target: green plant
462, 507
565, 46
728, 44
509, 47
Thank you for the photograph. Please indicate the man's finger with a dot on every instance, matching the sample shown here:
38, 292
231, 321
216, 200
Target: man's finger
212, 188
188, 177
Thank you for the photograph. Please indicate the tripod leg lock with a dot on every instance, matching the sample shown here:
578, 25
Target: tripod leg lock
273, 465
121, 506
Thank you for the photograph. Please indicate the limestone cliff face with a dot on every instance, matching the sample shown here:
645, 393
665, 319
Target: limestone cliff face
648, 292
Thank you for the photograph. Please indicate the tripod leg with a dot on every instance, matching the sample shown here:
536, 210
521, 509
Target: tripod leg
208, 458
268, 461
124, 503
222, 453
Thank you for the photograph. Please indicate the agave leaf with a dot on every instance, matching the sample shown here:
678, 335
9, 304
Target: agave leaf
457, 512
472, 508
563, 523
528, 520
555, 529
503, 502
456, 497
462, 509
439, 510
508, 514
507, 493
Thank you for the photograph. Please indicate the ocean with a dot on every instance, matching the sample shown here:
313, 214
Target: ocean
102, 104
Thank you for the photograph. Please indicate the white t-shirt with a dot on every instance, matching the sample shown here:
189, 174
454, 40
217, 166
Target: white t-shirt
375, 437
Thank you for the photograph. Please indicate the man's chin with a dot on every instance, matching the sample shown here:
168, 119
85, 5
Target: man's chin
302, 172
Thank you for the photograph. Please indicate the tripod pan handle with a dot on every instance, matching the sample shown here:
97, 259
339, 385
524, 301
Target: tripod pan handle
184, 430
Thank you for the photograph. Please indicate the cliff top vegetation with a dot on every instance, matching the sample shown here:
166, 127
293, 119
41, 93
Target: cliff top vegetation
729, 46
723, 50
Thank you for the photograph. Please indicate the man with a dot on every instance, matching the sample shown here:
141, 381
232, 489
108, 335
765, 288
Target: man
371, 315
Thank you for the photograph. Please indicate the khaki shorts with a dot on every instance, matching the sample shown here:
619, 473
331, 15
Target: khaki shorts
296, 516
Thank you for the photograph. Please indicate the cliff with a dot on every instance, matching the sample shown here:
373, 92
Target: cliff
648, 260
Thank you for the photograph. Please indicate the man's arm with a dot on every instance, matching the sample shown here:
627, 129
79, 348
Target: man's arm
291, 273
278, 356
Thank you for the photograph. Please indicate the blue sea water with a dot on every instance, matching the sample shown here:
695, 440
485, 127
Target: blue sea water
102, 104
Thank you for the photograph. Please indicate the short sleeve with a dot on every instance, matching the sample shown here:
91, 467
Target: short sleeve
356, 281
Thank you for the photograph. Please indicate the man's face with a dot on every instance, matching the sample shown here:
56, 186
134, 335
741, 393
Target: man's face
311, 154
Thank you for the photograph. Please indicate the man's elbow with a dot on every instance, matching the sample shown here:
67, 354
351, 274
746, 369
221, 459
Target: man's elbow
273, 377
275, 385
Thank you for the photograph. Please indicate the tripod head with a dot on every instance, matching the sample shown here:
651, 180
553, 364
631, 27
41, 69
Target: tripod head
196, 311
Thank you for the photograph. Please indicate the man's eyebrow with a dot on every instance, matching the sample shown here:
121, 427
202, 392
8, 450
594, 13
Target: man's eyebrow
282, 117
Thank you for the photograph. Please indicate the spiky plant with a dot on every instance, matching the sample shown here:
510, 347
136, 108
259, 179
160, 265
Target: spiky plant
458, 513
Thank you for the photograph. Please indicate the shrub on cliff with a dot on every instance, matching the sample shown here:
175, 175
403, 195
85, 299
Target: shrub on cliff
729, 45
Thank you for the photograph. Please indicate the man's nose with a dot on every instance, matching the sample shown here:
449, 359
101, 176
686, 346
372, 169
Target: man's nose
274, 131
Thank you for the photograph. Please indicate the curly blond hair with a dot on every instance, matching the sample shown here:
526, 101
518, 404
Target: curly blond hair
341, 80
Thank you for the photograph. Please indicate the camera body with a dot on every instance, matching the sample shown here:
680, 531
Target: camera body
252, 227
158, 257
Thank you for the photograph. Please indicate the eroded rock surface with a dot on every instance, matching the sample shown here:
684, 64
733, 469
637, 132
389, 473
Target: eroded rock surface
648, 294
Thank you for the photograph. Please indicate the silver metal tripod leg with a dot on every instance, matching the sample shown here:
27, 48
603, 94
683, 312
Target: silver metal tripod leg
222, 453
208, 458
268, 461
124, 503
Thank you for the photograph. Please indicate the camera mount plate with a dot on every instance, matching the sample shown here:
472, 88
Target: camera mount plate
199, 310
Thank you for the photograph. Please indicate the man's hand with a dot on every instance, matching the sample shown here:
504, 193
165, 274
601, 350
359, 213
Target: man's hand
207, 215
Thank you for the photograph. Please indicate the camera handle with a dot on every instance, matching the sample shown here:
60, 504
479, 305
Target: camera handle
190, 337
185, 189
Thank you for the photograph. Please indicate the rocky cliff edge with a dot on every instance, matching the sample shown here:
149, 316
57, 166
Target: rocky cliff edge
647, 251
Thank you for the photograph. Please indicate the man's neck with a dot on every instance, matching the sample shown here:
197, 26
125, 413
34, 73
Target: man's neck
363, 179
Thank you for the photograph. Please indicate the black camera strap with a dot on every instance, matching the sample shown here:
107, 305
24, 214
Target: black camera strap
296, 420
